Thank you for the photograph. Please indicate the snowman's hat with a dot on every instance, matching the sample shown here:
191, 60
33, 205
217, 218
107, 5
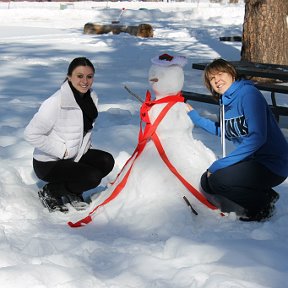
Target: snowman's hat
168, 60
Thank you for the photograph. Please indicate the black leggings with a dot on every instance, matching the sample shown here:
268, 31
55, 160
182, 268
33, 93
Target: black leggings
244, 188
76, 177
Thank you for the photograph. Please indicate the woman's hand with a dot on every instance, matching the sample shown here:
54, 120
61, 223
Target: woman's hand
189, 107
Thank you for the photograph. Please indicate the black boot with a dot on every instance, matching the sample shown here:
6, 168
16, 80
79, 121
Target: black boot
263, 215
51, 202
273, 196
267, 211
65, 197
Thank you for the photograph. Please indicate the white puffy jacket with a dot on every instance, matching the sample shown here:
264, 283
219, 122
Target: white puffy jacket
58, 126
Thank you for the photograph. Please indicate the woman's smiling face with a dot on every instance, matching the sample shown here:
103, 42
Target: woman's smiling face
220, 81
82, 78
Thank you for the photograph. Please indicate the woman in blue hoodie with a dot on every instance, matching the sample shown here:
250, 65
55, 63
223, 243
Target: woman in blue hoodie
242, 181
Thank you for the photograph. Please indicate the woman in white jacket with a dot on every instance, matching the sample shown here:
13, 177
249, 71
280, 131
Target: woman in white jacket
60, 132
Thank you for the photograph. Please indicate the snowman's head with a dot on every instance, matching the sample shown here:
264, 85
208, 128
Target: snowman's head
166, 75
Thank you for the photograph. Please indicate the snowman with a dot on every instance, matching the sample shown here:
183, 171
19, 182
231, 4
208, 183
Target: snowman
166, 166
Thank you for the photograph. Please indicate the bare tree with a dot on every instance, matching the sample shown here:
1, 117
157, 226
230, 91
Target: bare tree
265, 31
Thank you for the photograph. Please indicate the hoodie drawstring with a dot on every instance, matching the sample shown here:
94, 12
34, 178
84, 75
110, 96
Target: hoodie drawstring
222, 128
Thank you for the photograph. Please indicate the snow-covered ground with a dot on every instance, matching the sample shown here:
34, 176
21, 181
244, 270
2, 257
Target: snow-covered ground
38, 249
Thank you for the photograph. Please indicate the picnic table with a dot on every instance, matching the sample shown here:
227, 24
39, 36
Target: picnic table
252, 69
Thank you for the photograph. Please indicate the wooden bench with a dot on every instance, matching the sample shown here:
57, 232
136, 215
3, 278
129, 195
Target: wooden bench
271, 87
231, 38
253, 69
274, 88
199, 97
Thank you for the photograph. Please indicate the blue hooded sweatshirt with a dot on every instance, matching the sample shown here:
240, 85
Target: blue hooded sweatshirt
251, 126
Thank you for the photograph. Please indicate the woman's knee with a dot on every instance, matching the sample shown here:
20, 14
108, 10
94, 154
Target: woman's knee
108, 163
219, 185
212, 184
204, 183
101, 160
93, 178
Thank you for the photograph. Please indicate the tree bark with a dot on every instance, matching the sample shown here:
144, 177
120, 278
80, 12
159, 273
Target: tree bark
265, 31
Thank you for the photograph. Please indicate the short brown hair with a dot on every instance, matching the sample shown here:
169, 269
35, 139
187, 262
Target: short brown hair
218, 65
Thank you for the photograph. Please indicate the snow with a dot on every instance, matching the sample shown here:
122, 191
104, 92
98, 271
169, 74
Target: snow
155, 241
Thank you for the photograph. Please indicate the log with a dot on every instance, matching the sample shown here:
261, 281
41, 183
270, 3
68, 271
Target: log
142, 30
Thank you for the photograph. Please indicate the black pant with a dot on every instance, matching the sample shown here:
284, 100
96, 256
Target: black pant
244, 188
67, 176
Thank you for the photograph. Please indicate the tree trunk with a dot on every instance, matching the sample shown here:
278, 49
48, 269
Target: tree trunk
265, 31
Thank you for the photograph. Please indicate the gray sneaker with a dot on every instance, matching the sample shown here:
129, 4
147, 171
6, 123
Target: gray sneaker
76, 201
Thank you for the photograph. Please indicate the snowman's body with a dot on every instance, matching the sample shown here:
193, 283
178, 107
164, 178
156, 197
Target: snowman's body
190, 156
152, 190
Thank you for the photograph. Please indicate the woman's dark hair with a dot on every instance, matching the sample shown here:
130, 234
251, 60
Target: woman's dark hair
218, 65
79, 61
